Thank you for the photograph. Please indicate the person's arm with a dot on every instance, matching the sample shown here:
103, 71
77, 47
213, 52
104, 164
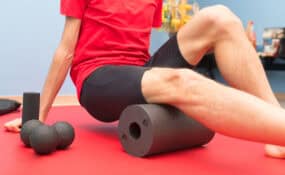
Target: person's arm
60, 65
57, 72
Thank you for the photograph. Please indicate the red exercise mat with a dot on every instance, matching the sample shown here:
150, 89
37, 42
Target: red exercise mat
97, 151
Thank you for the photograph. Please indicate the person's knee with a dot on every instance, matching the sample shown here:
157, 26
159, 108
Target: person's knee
220, 19
190, 86
160, 85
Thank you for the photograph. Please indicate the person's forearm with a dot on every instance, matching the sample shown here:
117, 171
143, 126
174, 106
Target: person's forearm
56, 76
60, 65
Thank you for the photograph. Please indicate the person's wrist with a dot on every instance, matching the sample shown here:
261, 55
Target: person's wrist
42, 115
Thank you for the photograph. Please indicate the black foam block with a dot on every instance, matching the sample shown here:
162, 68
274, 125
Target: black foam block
31, 105
149, 129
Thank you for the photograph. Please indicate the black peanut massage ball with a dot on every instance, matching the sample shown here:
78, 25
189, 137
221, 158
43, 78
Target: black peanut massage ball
66, 134
27, 130
45, 139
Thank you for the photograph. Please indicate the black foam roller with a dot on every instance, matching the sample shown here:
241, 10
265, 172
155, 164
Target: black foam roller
31, 105
148, 129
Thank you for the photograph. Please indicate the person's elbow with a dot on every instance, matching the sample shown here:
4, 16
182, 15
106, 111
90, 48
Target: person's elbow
64, 54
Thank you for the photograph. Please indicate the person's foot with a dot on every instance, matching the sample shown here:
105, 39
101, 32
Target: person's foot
275, 151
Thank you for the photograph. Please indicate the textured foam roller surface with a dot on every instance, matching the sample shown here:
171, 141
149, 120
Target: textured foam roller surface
31, 102
151, 129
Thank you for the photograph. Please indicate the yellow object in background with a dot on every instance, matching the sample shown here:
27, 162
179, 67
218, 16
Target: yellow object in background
176, 13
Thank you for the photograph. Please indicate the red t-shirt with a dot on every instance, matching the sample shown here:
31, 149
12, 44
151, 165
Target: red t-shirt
113, 32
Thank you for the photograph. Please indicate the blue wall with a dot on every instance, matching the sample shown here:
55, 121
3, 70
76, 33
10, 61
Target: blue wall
30, 31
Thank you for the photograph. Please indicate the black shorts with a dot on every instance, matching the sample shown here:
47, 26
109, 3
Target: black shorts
110, 89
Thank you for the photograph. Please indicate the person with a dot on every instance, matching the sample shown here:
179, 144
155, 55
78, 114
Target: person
105, 46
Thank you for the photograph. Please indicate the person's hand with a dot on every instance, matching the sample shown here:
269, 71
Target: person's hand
13, 125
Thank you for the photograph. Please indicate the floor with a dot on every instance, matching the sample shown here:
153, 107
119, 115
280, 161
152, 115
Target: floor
281, 98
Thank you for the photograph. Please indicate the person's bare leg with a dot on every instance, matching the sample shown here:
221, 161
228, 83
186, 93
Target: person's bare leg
217, 28
226, 110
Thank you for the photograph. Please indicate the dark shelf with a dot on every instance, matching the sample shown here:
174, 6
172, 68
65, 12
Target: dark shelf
269, 64
274, 64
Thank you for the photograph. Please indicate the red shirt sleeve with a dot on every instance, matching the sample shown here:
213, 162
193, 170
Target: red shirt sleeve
73, 8
157, 21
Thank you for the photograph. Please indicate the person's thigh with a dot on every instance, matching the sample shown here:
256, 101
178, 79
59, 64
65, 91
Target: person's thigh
110, 89
169, 55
